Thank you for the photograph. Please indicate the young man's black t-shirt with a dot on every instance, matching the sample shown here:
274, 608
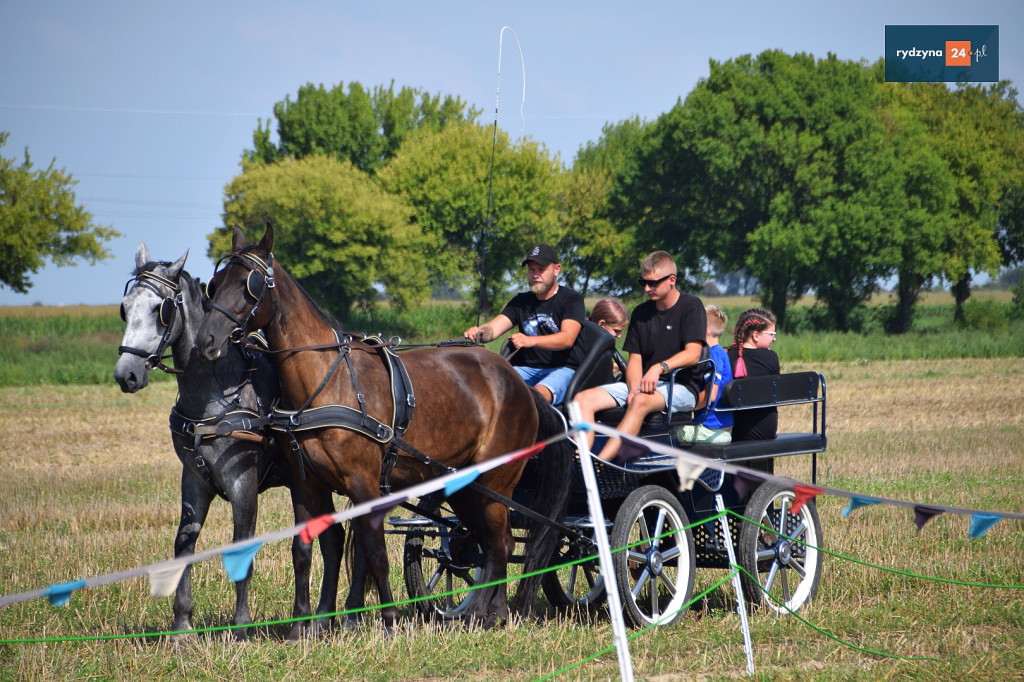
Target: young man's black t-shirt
657, 335
535, 317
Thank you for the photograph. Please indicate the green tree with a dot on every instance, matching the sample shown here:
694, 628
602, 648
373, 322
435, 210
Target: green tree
336, 231
771, 164
40, 220
364, 127
599, 248
444, 175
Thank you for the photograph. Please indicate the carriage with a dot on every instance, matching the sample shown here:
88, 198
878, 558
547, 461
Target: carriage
351, 399
648, 516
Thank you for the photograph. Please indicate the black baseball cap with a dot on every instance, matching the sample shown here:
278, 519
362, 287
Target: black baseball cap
542, 254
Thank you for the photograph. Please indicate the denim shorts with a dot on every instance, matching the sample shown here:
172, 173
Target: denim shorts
555, 379
682, 399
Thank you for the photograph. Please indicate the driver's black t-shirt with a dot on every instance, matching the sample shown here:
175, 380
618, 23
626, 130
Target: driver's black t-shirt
540, 318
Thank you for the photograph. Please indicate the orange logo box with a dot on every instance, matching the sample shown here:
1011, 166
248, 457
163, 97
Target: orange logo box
958, 53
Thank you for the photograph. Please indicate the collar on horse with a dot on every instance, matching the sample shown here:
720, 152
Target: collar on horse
168, 313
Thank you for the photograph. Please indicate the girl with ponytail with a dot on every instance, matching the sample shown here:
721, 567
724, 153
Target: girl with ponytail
750, 356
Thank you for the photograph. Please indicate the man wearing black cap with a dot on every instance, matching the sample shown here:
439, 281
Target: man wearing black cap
549, 318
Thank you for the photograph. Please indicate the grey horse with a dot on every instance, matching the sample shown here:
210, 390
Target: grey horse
163, 307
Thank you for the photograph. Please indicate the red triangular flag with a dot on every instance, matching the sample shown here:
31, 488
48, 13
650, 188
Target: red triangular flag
802, 494
528, 452
316, 526
923, 515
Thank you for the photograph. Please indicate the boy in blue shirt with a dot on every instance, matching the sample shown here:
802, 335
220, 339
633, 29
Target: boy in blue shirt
714, 427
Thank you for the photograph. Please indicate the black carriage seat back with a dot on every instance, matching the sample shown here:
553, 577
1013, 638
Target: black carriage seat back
596, 367
780, 390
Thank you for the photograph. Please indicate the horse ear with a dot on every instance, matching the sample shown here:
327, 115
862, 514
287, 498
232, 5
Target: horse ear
177, 266
141, 255
267, 243
238, 240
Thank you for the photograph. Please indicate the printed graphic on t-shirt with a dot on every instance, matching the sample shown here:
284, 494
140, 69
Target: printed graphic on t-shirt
540, 325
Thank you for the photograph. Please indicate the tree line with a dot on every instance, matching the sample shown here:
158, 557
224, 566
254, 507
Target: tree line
799, 176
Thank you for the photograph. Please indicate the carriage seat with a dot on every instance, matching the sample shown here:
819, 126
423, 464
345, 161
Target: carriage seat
780, 390
659, 421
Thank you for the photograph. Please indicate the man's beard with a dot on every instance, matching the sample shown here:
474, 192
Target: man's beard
541, 289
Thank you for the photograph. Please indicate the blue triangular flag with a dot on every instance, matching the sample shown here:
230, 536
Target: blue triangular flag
237, 562
857, 502
59, 595
460, 482
980, 523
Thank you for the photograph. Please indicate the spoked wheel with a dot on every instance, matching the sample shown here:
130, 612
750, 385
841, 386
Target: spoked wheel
439, 560
655, 573
784, 560
578, 586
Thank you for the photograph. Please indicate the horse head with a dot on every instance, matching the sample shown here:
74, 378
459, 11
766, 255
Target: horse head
152, 310
241, 294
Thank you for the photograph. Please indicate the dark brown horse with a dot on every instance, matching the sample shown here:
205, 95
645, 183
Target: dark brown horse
470, 406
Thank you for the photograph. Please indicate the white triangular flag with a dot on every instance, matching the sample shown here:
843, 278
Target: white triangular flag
164, 581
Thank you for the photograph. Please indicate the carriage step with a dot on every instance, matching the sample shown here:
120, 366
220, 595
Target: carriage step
416, 521
578, 523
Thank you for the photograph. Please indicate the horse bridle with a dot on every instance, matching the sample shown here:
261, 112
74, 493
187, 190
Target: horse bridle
166, 317
259, 281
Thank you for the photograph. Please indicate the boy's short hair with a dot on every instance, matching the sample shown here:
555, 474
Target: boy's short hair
716, 320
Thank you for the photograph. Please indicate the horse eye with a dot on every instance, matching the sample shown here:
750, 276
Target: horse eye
124, 317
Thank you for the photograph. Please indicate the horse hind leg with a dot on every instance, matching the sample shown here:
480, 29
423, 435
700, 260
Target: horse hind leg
195, 505
487, 520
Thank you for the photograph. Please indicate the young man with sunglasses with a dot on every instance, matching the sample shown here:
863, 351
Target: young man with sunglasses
549, 318
665, 333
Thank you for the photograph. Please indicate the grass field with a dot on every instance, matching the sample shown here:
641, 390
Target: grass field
90, 486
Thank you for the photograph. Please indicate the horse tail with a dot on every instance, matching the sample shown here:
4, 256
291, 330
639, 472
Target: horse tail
549, 500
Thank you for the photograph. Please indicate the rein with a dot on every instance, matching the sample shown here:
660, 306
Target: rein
168, 314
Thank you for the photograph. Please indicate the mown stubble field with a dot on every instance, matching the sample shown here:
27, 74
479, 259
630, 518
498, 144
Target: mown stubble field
90, 486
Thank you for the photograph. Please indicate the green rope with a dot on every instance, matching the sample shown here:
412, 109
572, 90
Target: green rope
608, 650
824, 632
867, 564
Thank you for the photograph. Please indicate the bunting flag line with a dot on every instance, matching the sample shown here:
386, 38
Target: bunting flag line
380, 510
529, 452
459, 482
316, 526
745, 480
59, 595
163, 581
856, 502
237, 562
802, 494
980, 523
924, 514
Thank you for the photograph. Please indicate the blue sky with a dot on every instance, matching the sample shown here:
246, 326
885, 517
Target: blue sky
150, 105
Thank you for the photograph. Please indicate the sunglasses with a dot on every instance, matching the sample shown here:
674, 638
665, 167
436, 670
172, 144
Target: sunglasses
644, 283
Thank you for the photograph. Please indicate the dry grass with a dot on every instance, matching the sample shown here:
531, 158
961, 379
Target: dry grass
90, 487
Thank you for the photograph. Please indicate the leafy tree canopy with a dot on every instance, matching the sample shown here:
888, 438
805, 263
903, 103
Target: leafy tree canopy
364, 127
336, 231
39, 219
445, 176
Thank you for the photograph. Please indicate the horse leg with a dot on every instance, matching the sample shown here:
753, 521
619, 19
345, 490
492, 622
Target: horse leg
332, 544
195, 504
244, 496
302, 558
487, 520
356, 600
376, 560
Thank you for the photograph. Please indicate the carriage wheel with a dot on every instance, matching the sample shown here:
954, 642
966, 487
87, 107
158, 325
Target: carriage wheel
655, 574
579, 586
784, 559
439, 560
